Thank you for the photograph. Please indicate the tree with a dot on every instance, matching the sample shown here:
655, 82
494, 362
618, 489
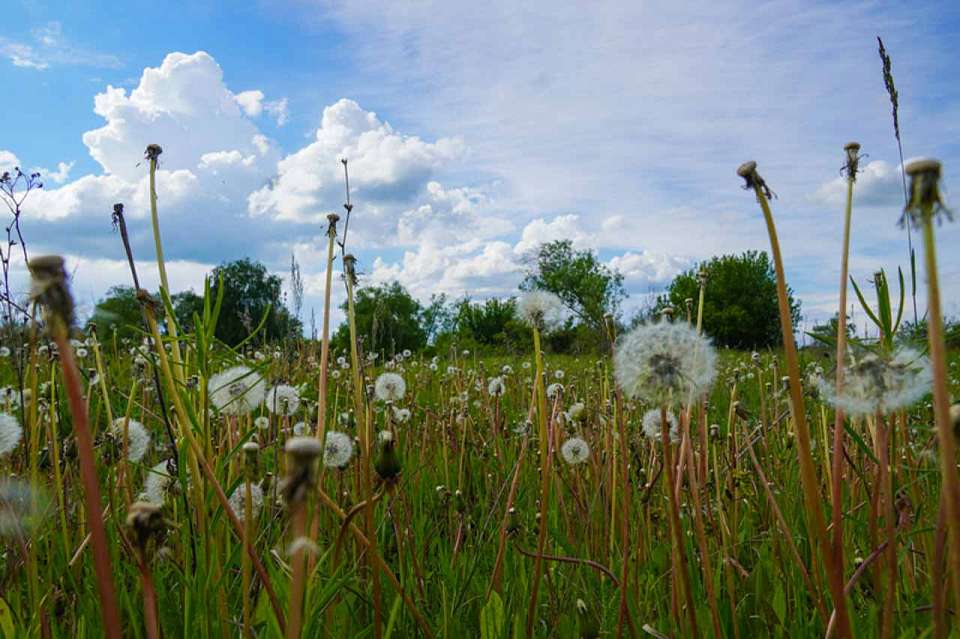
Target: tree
740, 300
825, 333
389, 320
185, 304
589, 288
118, 310
250, 292
490, 323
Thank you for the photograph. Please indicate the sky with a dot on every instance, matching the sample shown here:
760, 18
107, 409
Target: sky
475, 132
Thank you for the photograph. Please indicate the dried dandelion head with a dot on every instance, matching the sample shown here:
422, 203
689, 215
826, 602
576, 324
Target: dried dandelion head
575, 451
925, 199
49, 289
145, 521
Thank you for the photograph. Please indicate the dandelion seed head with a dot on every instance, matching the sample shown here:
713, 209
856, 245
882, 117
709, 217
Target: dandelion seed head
541, 309
157, 484
664, 363
496, 387
10, 433
401, 415
262, 422
236, 391
553, 389
238, 501
138, 438
390, 387
283, 400
575, 451
881, 383
337, 449
652, 426
22, 507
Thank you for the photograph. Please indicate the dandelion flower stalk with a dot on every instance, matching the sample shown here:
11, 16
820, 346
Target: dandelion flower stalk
925, 204
852, 150
808, 475
50, 291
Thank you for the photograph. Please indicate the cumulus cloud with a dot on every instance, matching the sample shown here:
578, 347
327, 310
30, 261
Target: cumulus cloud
879, 183
386, 167
8, 161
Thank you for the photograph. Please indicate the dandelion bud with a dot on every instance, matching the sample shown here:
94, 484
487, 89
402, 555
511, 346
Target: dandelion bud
145, 521
925, 197
50, 290
302, 453
388, 463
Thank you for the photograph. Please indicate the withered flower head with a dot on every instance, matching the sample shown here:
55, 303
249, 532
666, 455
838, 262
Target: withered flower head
50, 289
925, 200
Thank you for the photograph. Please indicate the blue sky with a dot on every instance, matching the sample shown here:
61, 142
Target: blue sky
476, 131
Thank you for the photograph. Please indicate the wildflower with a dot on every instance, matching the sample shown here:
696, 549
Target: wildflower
10, 433
575, 451
4, 351
664, 362
236, 391
558, 374
553, 389
526, 365
506, 370
406, 353
401, 415
881, 383
652, 426
390, 387
337, 450
496, 387
138, 438
238, 500
299, 429
283, 400
262, 422
540, 309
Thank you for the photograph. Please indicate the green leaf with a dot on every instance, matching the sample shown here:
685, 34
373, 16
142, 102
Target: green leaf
491, 618
863, 303
6, 621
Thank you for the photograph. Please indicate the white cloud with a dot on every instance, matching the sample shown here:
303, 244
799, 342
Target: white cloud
251, 102
51, 48
878, 184
279, 110
386, 167
563, 227
8, 161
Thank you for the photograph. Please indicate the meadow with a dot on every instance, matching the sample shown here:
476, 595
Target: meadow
173, 486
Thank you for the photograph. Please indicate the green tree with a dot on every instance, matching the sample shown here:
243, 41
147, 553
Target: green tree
740, 301
589, 288
118, 310
389, 320
487, 323
250, 292
185, 304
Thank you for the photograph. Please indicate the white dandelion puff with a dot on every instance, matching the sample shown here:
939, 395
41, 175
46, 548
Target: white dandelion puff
553, 389
390, 387
575, 451
236, 391
664, 362
300, 429
138, 438
540, 309
10, 433
401, 415
881, 383
496, 387
337, 449
239, 497
652, 426
157, 484
576, 412
262, 422
283, 400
